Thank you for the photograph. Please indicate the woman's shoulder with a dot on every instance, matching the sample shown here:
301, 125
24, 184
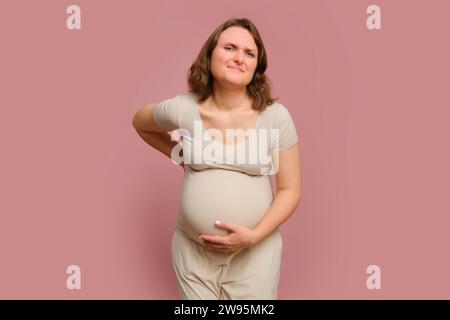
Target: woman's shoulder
272, 110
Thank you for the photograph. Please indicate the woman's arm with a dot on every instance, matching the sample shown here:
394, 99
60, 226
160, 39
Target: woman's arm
149, 130
288, 193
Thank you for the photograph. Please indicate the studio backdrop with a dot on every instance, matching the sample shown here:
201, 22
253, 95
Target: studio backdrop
88, 209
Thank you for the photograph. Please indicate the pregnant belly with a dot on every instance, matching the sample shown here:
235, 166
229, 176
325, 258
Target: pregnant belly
227, 195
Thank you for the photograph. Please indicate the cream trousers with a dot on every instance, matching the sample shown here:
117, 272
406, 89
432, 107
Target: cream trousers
251, 273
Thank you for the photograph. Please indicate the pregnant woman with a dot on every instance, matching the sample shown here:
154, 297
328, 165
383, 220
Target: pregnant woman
234, 136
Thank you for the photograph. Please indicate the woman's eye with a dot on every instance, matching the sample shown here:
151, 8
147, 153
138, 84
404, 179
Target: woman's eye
250, 53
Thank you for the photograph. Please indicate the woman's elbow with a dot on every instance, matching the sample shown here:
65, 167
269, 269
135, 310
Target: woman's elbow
143, 119
299, 199
140, 123
135, 120
296, 196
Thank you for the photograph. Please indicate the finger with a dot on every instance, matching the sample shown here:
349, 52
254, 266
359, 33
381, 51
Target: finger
217, 247
215, 239
225, 225
214, 245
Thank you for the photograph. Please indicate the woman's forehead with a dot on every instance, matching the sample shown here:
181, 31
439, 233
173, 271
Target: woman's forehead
239, 38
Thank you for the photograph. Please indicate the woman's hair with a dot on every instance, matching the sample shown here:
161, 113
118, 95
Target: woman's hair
200, 78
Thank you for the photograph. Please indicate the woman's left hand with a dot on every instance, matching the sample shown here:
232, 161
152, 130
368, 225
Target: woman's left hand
240, 237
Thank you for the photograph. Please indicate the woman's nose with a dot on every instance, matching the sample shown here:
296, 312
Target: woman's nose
238, 56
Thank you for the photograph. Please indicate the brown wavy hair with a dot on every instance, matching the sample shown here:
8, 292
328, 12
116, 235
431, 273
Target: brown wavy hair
200, 78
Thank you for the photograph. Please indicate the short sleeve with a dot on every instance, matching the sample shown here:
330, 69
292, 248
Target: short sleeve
287, 130
166, 113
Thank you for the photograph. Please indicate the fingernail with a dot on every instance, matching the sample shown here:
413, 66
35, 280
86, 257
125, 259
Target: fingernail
217, 222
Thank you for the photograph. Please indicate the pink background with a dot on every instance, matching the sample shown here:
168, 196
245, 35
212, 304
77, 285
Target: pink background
78, 186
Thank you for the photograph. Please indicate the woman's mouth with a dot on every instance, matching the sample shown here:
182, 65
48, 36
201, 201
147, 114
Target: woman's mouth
235, 68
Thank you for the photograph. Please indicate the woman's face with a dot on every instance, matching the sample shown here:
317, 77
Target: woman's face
235, 57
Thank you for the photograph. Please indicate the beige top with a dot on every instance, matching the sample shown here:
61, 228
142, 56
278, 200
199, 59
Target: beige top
225, 182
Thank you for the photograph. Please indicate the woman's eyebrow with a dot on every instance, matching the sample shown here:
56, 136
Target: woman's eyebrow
230, 43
